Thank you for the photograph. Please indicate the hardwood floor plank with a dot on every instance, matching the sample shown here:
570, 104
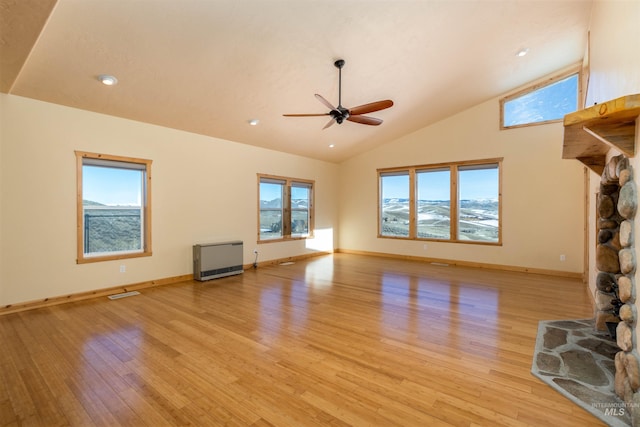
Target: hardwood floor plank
337, 340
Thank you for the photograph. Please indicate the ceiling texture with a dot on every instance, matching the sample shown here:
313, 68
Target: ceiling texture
210, 66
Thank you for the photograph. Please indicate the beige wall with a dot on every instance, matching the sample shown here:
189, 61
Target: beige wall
204, 189
614, 50
615, 71
542, 194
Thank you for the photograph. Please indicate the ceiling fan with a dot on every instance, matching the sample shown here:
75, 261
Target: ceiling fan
339, 114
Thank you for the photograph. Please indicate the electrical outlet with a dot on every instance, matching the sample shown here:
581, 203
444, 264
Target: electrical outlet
123, 268
563, 257
425, 247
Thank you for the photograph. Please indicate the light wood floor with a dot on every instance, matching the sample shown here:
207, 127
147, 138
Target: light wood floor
336, 340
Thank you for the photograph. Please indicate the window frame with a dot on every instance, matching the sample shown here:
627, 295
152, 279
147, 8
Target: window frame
453, 201
410, 178
287, 232
145, 203
575, 70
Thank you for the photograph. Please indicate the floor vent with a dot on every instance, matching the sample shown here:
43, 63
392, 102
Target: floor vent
124, 295
440, 264
287, 263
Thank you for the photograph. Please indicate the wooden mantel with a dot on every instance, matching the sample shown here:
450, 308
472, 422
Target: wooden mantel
590, 133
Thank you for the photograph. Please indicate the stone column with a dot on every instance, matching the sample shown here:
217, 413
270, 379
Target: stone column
608, 247
621, 282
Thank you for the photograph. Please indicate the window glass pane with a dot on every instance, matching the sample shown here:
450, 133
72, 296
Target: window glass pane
394, 215
550, 102
478, 196
286, 208
434, 203
113, 217
300, 201
271, 195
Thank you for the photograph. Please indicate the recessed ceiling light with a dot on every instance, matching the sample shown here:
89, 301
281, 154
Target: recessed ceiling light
332, 145
254, 122
107, 79
522, 52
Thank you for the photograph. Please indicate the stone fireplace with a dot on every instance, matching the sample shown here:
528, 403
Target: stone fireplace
615, 285
589, 136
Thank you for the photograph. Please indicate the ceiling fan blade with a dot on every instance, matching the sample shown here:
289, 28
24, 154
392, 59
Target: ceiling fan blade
325, 102
369, 108
306, 115
365, 120
329, 124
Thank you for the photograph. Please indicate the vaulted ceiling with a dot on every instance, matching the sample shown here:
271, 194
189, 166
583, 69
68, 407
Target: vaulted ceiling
210, 66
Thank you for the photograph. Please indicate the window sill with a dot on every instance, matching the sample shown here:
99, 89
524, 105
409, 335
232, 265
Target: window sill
87, 260
466, 242
285, 239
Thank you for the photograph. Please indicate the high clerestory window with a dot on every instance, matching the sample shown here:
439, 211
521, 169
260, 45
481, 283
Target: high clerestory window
285, 208
453, 202
113, 207
545, 102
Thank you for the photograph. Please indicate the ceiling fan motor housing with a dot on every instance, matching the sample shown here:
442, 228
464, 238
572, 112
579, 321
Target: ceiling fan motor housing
340, 114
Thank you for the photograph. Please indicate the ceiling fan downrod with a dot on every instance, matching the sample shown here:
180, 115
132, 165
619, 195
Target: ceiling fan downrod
341, 113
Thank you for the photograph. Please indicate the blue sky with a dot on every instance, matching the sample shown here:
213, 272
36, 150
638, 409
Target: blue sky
111, 186
270, 192
473, 184
547, 103
434, 185
478, 184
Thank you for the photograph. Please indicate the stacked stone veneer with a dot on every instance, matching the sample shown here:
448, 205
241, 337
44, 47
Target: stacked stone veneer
615, 283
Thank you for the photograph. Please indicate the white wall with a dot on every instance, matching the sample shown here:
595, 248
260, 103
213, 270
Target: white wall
615, 72
203, 190
542, 194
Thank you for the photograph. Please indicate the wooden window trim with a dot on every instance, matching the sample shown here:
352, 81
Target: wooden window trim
146, 244
454, 218
453, 203
286, 209
575, 69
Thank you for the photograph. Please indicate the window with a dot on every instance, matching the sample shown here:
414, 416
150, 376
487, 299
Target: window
394, 187
478, 198
285, 208
434, 203
542, 103
113, 207
456, 202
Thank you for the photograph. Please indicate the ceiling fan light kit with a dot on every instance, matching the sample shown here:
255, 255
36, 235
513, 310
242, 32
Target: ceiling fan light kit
339, 114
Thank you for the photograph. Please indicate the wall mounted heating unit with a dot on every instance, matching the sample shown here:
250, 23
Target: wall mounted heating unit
214, 260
